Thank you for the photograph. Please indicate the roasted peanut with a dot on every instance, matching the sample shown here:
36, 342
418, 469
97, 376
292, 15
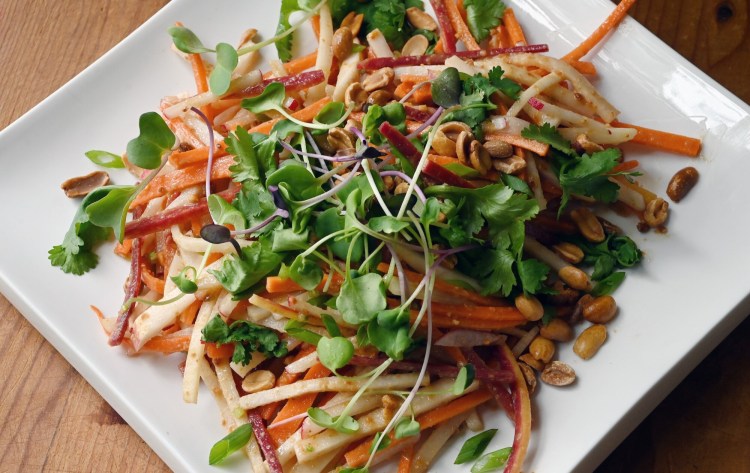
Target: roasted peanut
391, 404
256, 381
583, 143
569, 252
600, 310
509, 165
681, 183
355, 96
479, 157
589, 341
420, 19
380, 97
542, 349
378, 79
444, 141
558, 373
401, 188
531, 361
340, 139
587, 223
529, 376
462, 147
389, 183
416, 46
656, 212
353, 21
557, 330
575, 278
529, 307
341, 44
499, 149
82, 185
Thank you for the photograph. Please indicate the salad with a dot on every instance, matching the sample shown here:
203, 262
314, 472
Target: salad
362, 247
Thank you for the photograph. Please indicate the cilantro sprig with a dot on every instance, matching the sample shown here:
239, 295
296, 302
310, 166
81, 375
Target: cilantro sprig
246, 337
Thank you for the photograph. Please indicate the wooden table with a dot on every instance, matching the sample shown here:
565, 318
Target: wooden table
52, 420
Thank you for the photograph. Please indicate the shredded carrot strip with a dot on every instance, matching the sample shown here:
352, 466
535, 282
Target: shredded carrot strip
315, 22
277, 285
123, 249
614, 19
295, 406
167, 344
151, 281
268, 411
305, 115
517, 37
414, 78
181, 159
187, 317
584, 67
295, 66
462, 31
439, 47
674, 143
625, 166
525, 143
404, 462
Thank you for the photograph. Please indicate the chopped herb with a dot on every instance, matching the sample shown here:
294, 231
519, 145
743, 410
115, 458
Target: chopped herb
246, 337
475, 446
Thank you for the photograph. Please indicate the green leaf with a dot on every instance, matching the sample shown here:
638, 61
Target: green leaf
609, 284
492, 461
287, 239
548, 134
431, 212
305, 272
508, 87
236, 439
186, 41
256, 204
603, 267
331, 113
329, 221
393, 113
308, 5
589, 176
389, 17
344, 425
406, 427
394, 342
272, 98
105, 159
295, 329
532, 274
335, 353
381, 441
183, 282
221, 76
475, 446
239, 274
461, 170
241, 145
284, 45
386, 224
331, 325
464, 379
224, 213
517, 184
482, 16
361, 298
155, 139
110, 211
446, 88
393, 318
246, 337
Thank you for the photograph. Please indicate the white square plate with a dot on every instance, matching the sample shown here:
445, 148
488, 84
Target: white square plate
689, 293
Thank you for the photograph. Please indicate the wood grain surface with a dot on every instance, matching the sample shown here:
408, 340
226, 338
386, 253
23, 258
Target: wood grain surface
52, 420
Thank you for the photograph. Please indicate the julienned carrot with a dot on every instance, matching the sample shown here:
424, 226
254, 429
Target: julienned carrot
584, 67
297, 65
358, 456
268, 411
306, 115
123, 249
625, 166
459, 26
181, 159
199, 69
277, 285
456, 321
219, 352
499, 37
187, 317
679, 144
414, 78
614, 19
151, 281
459, 292
295, 406
180, 179
539, 148
404, 462
477, 312
315, 22
167, 344
514, 28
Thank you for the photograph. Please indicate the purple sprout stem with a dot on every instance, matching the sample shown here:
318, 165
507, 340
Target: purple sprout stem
424, 125
317, 150
406, 178
359, 134
210, 163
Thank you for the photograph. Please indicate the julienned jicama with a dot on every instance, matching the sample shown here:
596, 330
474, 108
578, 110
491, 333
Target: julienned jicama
359, 247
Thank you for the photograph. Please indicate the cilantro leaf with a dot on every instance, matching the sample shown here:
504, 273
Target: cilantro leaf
237, 274
247, 338
507, 86
532, 274
388, 16
242, 146
105, 159
393, 113
256, 204
284, 45
482, 16
494, 269
548, 134
589, 176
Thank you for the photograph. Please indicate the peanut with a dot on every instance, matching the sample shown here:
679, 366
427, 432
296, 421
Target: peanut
342, 43
569, 252
656, 212
681, 183
378, 79
531, 361
575, 278
589, 341
600, 310
558, 330
420, 20
558, 373
256, 381
529, 307
542, 349
589, 226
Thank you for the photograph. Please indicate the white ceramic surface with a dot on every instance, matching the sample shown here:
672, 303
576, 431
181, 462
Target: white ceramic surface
686, 297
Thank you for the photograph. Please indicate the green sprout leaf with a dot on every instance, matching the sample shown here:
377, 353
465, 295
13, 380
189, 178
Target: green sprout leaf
331, 325
446, 88
464, 379
344, 425
272, 98
492, 461
154, 140
236, 439
361, 298
186, 41
305, 272
224, 213
381, 441
183, 282
609, 284
475, 446
296, 329
335, 353
105, 159
111, 210
387, 224
226, 61
406, 427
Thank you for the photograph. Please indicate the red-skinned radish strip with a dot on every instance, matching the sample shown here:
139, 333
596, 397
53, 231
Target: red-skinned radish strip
438, 59
164, 220
417, 114
264, 440
134, 288
447, 35
468, 338
400, 142
521, 411
442, 371
293, 83
498, 391
444, 176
